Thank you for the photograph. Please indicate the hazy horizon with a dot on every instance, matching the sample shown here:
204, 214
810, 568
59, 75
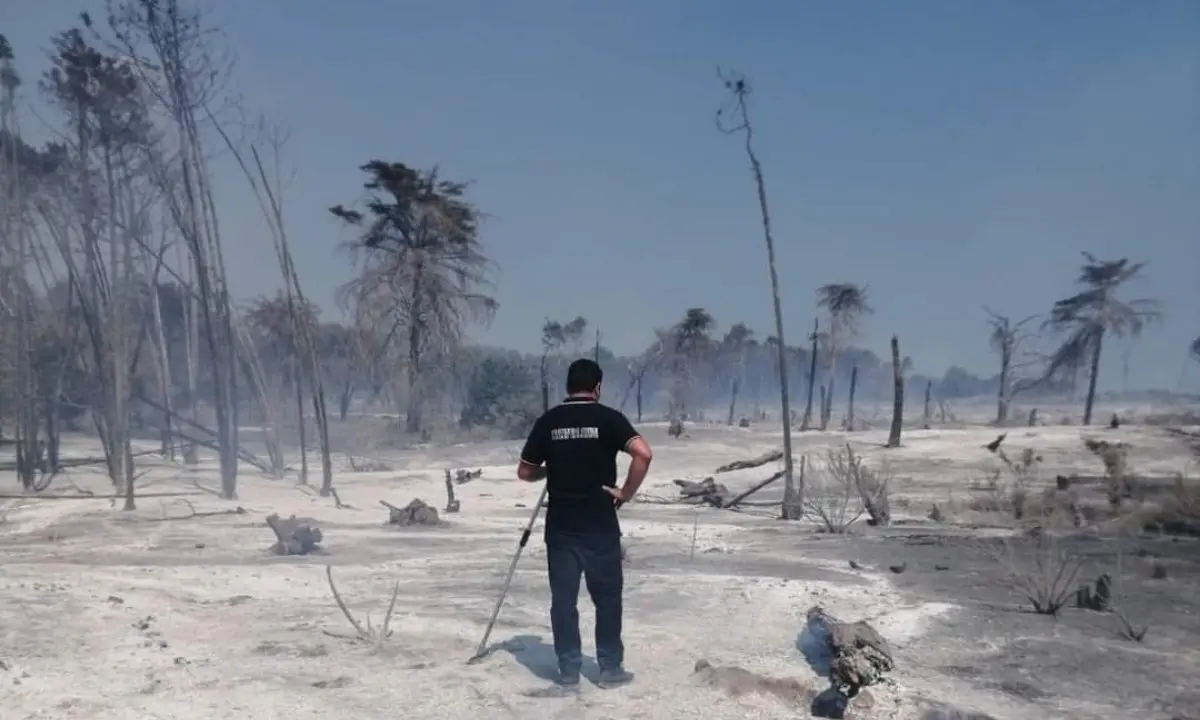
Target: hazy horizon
947, 155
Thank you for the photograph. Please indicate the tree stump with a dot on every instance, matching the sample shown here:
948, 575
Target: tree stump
1098, 598
857, 655
417, 512
708, 491
294, 536
452, 503
675, 428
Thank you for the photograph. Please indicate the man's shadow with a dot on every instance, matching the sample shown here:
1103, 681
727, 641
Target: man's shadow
538, 658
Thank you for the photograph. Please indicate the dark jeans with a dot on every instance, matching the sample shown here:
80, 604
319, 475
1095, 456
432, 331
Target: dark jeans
597, 557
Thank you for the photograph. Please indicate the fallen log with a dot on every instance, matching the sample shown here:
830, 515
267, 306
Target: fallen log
416, 512
294, 536
737, 500
211, 444
773, 456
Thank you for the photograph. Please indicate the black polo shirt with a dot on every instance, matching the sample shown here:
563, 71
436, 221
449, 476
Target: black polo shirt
579, 441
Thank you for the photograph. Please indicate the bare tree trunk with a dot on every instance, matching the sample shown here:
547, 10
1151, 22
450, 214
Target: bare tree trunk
834, 339
793, 495
639, 398
1093, 376
928, 411
1002, 397
850, 406
733, 395
162, 362
812, 376
897, 396
298, 385
545, 383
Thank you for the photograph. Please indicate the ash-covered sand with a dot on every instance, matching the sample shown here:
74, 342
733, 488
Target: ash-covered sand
106, 614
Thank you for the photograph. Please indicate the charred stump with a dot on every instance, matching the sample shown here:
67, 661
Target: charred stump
1096, 597
853, 654
417, 512
293, 535
452, 504
708, 491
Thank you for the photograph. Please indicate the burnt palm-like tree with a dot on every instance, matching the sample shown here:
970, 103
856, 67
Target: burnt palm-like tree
846, 304
422, 262
1194, 348
1095, 312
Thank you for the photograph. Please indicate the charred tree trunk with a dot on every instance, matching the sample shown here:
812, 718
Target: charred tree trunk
638, 399
897, 396
298, 387
733, 395
927, 414
544, 374
812, 375
1002, 396
1093, 376
850, 406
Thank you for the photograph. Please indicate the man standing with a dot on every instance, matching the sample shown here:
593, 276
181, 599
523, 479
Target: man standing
578, 442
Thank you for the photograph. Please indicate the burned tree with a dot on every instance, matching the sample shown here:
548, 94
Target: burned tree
168, 44
556, 336
421, 257
733, 348
1087, 317
734, 119
846, 303
897, 396
1007, 339
813, 338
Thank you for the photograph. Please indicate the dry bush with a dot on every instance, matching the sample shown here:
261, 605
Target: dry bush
844, 489
1042, 571
1126, 628
1177, 511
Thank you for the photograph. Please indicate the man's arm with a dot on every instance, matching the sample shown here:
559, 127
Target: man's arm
533, 455
635, 445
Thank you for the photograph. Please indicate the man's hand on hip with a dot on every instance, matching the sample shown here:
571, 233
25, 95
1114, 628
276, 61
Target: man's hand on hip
620, 495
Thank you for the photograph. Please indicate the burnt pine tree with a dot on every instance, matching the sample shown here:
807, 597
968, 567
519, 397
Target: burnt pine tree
1086, 318
422, 258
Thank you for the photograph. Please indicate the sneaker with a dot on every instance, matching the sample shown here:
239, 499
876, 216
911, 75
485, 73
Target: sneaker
614, 677
568, 679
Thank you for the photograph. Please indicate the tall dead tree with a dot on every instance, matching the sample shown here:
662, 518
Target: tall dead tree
897, 395
734, 118
16, 312
850, 405
813, 339
171, 48
1007, 339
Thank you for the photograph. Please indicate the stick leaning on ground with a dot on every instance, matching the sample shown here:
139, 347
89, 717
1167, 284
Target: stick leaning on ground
483, 650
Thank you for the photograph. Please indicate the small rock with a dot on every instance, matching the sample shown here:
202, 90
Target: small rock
898, 568
941, 567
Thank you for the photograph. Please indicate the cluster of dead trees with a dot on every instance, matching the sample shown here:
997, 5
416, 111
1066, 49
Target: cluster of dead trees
98, 221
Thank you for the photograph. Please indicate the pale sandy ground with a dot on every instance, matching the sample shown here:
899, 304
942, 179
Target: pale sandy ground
106, 614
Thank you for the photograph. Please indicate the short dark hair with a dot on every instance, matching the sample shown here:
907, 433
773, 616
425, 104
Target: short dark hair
584, 375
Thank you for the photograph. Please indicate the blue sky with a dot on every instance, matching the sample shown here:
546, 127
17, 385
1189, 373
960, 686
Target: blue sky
946, 154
